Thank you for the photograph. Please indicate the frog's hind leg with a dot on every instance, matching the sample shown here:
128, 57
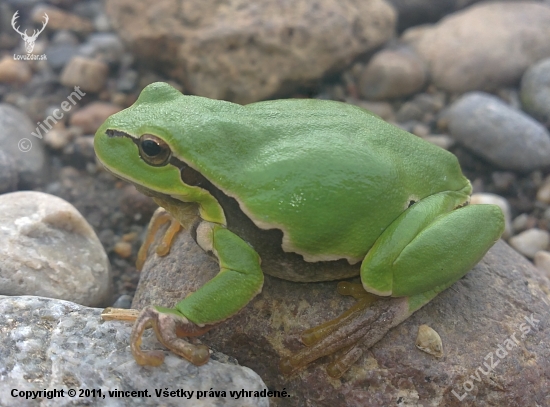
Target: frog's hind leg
424, 251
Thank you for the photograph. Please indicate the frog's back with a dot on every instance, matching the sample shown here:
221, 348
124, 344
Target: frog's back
330, 175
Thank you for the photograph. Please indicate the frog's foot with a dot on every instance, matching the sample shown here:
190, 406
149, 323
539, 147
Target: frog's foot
169, 328
358, 328
159, 219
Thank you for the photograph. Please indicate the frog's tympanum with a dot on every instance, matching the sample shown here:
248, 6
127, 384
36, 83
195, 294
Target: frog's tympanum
305, 190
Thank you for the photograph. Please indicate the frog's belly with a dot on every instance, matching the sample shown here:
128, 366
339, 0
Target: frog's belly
268, 244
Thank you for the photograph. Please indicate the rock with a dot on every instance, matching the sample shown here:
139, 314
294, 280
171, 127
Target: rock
422, 105
81, 150
543, 193
504, 180
106, 47
52, 344
61, 20
523, 222
416, 12
392, 74
542, 261
429, 341
530, 242
124, 301
137, 205
485, 46
17, 141
493, 199
60, 54
473, 317
382, 109
88, 74
535, 91
14, 72
50, 250
504, 136
8, 173
90, 117
440, 140
59, 136
228, 50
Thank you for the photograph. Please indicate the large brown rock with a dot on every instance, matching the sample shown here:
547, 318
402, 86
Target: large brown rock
475, 318
246, 51
485, 46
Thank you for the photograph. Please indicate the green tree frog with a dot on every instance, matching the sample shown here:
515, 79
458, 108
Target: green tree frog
318, 190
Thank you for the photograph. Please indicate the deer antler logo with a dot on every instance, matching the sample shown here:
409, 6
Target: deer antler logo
29, 41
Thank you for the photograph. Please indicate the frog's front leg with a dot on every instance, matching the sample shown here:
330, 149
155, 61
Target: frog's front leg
239, 280
424, 251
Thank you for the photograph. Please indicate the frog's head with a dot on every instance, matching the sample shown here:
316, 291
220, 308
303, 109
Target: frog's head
143, 145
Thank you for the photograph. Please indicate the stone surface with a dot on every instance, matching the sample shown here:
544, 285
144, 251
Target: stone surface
86, 73
8, 173
392, 74
17, 141
542, 261
61, 20
543, 192
485, 46
473, 317
504, 136
90, 117
535, 91
49, 249
52, 344
14, 72
531, 241
416, 12
247, 51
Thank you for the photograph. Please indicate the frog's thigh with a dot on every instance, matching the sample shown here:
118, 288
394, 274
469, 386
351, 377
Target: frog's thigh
239, 280
430, 246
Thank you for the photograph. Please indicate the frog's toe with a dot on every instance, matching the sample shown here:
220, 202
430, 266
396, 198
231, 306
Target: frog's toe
169, 328
160, 218
347, 336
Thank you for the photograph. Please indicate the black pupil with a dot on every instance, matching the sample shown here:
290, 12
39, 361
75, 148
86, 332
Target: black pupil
150, 148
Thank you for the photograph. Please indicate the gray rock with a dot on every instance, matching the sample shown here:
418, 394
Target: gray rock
106, 47
535, 91
8, 173
60, 54
228, 50
472, 317
485, 46
17, 141
49, 249
392, 74
505, 136
416, 12
52, 344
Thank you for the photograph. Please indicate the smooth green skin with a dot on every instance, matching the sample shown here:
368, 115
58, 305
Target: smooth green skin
335, 178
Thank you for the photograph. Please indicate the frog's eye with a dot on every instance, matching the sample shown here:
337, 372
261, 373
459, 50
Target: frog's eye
153, 150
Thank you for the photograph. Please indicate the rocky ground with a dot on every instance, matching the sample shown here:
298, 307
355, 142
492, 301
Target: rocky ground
471, 77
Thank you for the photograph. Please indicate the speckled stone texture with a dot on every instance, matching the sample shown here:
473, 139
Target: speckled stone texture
53, 344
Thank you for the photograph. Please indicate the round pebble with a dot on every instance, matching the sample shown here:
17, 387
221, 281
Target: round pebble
543, 193
505, 136
392, 74
535, 91
530, 242
50, 250
542, 261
